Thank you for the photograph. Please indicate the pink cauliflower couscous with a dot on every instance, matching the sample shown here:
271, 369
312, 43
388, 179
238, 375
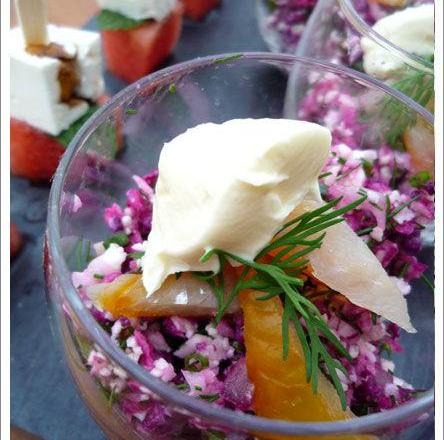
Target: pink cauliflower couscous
288, 20
207, 361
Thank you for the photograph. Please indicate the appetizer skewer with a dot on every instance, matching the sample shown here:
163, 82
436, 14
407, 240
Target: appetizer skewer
138, 36
56, 81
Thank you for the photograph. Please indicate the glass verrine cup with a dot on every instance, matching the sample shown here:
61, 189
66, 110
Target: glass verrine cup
337, 30
138, 121
334, 30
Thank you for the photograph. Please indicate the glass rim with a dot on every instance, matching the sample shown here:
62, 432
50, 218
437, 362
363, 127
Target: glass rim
177, 399
359, 24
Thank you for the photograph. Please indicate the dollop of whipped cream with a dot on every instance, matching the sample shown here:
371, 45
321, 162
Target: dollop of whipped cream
411, 29
229, 186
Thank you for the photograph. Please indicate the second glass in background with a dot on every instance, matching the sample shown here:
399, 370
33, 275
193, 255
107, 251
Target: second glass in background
338, 30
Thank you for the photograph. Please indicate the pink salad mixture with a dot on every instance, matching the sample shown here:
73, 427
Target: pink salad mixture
209, 363
371, 385
289, 17
400, 202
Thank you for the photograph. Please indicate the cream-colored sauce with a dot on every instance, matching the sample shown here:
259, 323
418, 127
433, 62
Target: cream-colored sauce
411, 29
229, 186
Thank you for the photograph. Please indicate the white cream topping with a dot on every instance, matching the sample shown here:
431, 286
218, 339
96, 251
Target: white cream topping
140, 9
411, 29
229, 186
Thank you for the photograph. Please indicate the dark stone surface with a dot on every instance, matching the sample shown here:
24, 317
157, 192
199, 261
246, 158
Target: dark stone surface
43, 397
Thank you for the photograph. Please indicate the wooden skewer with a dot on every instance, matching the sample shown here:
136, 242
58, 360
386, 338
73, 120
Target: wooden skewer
32, 16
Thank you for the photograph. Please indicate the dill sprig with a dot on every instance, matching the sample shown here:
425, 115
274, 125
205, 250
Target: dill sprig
389, 214
428, 283
271, 5
416, 84
282, 277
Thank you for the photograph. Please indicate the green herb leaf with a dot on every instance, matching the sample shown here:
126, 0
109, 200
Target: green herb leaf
131, 111
136, 255
110, 395
428, 283
120, 238
385, 348
285, 329
209, 397
420, 179
215, 435
195, 362
365, 231
405, 267
106, 138
238, 347
399, 208
228, 59
83, 345
272, 5
358, 65
389, 214
112, 21
416, 84
280, 278
172, 88
368, 167
66, 136
82, 254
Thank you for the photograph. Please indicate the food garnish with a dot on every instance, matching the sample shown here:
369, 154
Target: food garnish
145, 37
276, 271
419, 86
283, 381
111, 20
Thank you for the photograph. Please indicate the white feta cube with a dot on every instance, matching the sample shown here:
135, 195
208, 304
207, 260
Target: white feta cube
140, 9
35, 88
86, 45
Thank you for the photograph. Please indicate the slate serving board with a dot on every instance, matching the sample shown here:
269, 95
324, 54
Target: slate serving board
43, 397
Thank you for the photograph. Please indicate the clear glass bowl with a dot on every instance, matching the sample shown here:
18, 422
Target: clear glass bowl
332, 31
147, 114
336, 27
